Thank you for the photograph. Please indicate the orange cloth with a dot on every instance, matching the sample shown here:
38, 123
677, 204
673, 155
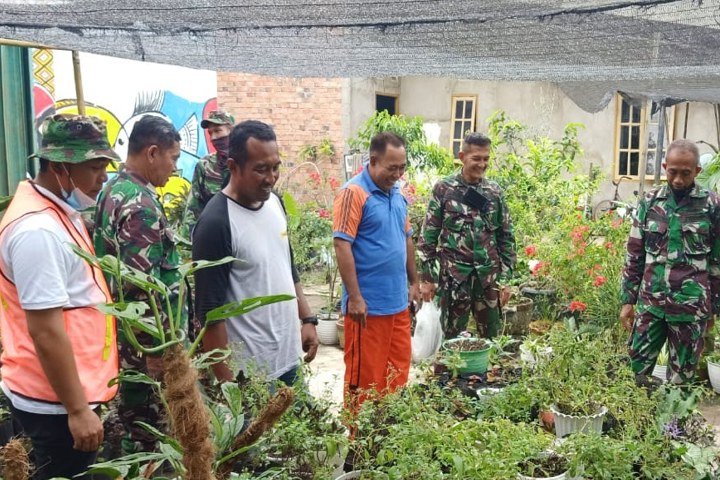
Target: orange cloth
92, 334
377, 357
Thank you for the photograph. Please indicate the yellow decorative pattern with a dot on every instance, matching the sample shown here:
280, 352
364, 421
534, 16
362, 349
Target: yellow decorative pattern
43, 69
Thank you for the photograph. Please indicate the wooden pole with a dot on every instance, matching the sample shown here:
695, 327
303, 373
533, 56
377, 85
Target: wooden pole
78, 83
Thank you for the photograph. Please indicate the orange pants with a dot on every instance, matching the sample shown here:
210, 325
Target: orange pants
377, 356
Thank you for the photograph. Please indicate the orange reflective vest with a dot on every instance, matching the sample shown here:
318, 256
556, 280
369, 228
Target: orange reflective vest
92, 334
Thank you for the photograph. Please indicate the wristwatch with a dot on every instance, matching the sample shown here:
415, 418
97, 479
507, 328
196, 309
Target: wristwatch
312, 319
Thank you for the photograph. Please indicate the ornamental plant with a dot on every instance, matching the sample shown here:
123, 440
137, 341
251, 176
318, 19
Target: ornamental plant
179, 391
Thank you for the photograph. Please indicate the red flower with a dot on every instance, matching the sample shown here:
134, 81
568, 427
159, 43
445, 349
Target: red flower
599, 281
531, 250
616, 223
323, 213
334, 183
609, 245
577, 306
578, 233
315, 178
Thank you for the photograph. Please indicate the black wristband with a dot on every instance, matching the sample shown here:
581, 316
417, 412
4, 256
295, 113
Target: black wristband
312, 319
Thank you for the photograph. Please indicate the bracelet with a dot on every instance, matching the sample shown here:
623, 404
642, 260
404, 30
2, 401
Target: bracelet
312, 319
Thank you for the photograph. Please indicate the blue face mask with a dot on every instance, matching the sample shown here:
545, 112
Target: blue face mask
76, 198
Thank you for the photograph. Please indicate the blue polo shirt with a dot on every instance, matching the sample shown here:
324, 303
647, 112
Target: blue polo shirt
377, 225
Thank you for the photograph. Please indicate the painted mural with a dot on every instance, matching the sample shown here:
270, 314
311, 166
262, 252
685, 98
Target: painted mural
172, 93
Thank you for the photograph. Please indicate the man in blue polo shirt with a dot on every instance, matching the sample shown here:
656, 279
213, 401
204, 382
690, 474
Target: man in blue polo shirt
376, 259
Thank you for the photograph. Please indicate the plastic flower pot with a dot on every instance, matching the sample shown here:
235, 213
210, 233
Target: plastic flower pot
714, 374
517, 317
567, 424
660, 372
538, 475
341, 332
476, 361
327, 328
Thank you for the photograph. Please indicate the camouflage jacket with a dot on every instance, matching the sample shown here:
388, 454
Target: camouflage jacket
459, 239
208, 179
672, 266
130, 221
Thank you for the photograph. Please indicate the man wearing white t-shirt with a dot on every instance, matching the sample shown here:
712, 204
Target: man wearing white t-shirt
246, 220
59, 351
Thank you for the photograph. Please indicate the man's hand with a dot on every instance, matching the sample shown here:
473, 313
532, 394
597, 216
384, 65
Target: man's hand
357, 309
505, 293
627, 316
86, 430
414, 296
308, 334
427, 291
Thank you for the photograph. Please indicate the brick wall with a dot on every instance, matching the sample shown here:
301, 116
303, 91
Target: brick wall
303, 111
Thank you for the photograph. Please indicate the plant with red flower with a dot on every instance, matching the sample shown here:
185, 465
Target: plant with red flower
323, 213
334, 183
538, 268
599, 281
531, 251
577, 306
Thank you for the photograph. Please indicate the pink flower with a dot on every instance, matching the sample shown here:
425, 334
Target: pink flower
531, 250
334, 183
360, 169
577, 306
599, 281
323, 213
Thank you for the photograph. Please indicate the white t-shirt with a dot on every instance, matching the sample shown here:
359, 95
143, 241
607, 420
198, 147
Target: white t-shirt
34, 255
269, 336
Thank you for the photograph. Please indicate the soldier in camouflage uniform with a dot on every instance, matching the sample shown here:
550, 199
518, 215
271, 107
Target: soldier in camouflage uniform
467, 246
211, 172
671, 280
130, 222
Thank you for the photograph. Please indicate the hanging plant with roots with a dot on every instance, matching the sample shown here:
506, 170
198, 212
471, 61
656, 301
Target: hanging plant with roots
189, 417
15, 461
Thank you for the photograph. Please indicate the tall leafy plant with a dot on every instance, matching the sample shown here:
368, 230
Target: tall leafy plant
189, 417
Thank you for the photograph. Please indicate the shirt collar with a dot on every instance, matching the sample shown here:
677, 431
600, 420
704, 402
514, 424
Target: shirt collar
696, 192
372, 187
136, 178
69, 211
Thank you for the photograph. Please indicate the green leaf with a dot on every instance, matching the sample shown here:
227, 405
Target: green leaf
291, 206
133, 376
130, 311
244, 306
210, 358
233, 397
160, 436
191, 267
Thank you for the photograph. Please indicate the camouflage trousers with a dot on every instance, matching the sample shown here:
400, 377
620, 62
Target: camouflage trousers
138, 402
458, 300
685, 343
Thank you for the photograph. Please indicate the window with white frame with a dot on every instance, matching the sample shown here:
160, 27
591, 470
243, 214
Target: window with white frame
463, 121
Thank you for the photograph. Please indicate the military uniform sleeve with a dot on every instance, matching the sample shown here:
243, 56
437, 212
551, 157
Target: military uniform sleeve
714, 262
428, 243
635, 257
505, 238
195, 204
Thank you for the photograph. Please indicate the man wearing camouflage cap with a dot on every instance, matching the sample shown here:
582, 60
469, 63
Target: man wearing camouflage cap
671, 281
211, 172
59, 350
130, 223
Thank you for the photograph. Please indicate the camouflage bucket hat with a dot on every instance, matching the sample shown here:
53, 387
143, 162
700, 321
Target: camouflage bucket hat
217, 117
74, 139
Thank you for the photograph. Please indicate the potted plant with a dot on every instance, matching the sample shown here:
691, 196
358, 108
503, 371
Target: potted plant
661, 365
517, 315
546, 465
328, 317
473, 352
713, 363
